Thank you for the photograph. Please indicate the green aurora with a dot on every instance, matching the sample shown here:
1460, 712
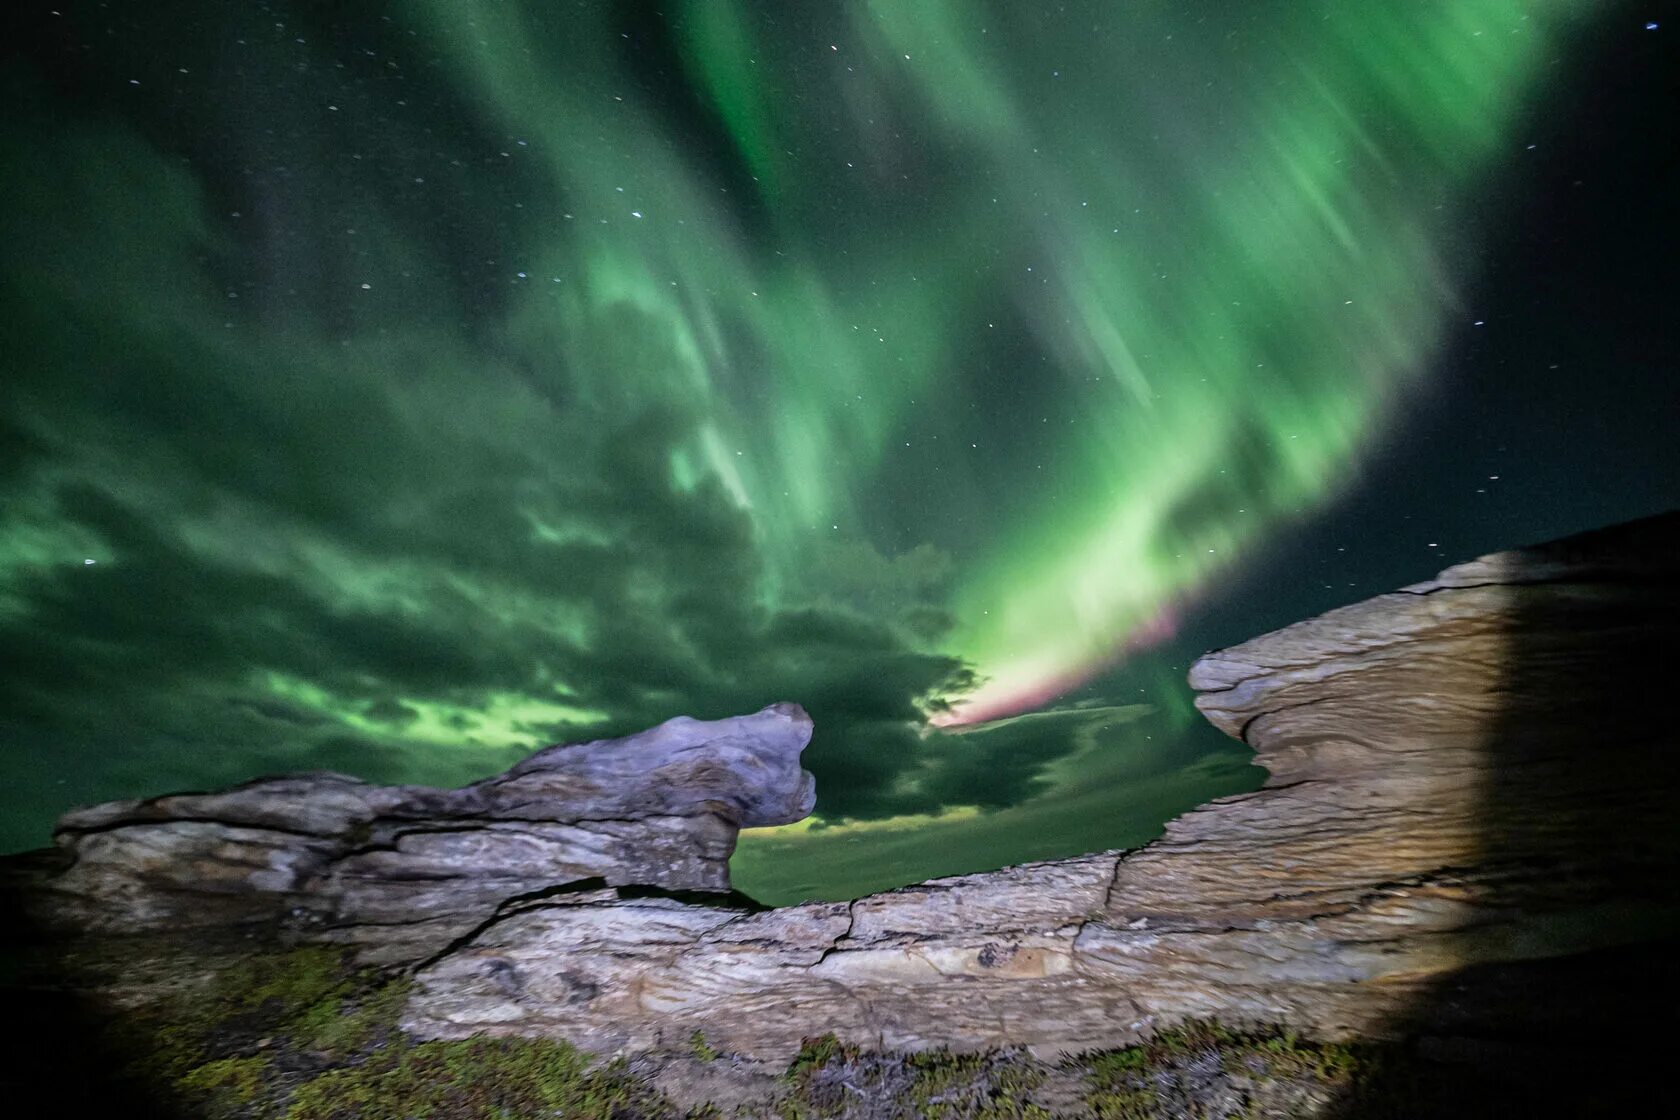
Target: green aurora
1227, 271
411, 387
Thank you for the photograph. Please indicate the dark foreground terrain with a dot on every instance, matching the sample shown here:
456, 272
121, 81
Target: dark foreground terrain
301, 1035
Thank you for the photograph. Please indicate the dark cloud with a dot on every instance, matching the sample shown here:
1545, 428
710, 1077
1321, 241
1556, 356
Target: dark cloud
299, 553
1123, 773
1006, 762
395, 530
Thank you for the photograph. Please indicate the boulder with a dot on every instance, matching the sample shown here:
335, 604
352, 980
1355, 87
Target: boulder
399, 872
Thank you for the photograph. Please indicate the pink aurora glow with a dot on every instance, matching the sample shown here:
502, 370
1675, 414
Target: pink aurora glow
997, 699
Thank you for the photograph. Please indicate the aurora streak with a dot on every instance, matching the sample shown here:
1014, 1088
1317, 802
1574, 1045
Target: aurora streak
1229, 241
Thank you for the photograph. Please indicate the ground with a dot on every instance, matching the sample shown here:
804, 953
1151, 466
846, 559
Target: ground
302, 1035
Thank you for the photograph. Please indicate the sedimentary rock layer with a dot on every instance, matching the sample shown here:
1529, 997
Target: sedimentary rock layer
401, 871
1468, 774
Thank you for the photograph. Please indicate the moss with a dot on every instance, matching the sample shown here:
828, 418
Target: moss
1113, 1064
489, 1078
305, 1036
1122, 1103
344, 1025
986, 1086
702, 1050
1120, 1083
260, 994
829, 1078
205, 1046
1144, 1080
287, 981
332, 1029
815, 1053
820, 1077
1330, 1062
227, 1086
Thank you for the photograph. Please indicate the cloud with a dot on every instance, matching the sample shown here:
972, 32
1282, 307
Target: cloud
387, 557
355, 499
1004, 762
1113, 789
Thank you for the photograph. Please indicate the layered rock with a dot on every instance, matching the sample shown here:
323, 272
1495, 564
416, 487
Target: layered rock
1471, 802
1467, 776
970, 961
400, 872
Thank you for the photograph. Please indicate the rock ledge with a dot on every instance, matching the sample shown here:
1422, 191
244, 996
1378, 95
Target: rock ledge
399, 872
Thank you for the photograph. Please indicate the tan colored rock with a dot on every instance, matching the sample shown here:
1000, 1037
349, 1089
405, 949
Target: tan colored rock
1466, 775
891, 970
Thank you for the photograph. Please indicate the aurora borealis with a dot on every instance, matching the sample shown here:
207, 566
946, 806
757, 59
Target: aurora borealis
395, 388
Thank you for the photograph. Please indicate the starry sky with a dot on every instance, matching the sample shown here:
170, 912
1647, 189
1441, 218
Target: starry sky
395, 388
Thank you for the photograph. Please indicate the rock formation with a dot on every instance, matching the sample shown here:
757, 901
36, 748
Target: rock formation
401, 871
1466, 775
1471, 781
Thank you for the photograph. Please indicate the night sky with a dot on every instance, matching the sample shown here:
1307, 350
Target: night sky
395, 388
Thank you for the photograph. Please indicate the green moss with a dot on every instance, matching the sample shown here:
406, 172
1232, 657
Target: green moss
703, 1050
1122, 1103
305, 1036
815, 1053
940, 1076
1120, 1086
219, 1049
202, 1046
290, 981
818, 1078
344, 1025
228, 1085
488, 1078
829, 1078
1137, 1081
1113, 1064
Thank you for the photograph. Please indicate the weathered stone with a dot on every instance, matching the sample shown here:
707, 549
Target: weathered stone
1466, 775
946, 961
400, 871
1469, 823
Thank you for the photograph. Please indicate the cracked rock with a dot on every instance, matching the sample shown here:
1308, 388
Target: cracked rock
400, 872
